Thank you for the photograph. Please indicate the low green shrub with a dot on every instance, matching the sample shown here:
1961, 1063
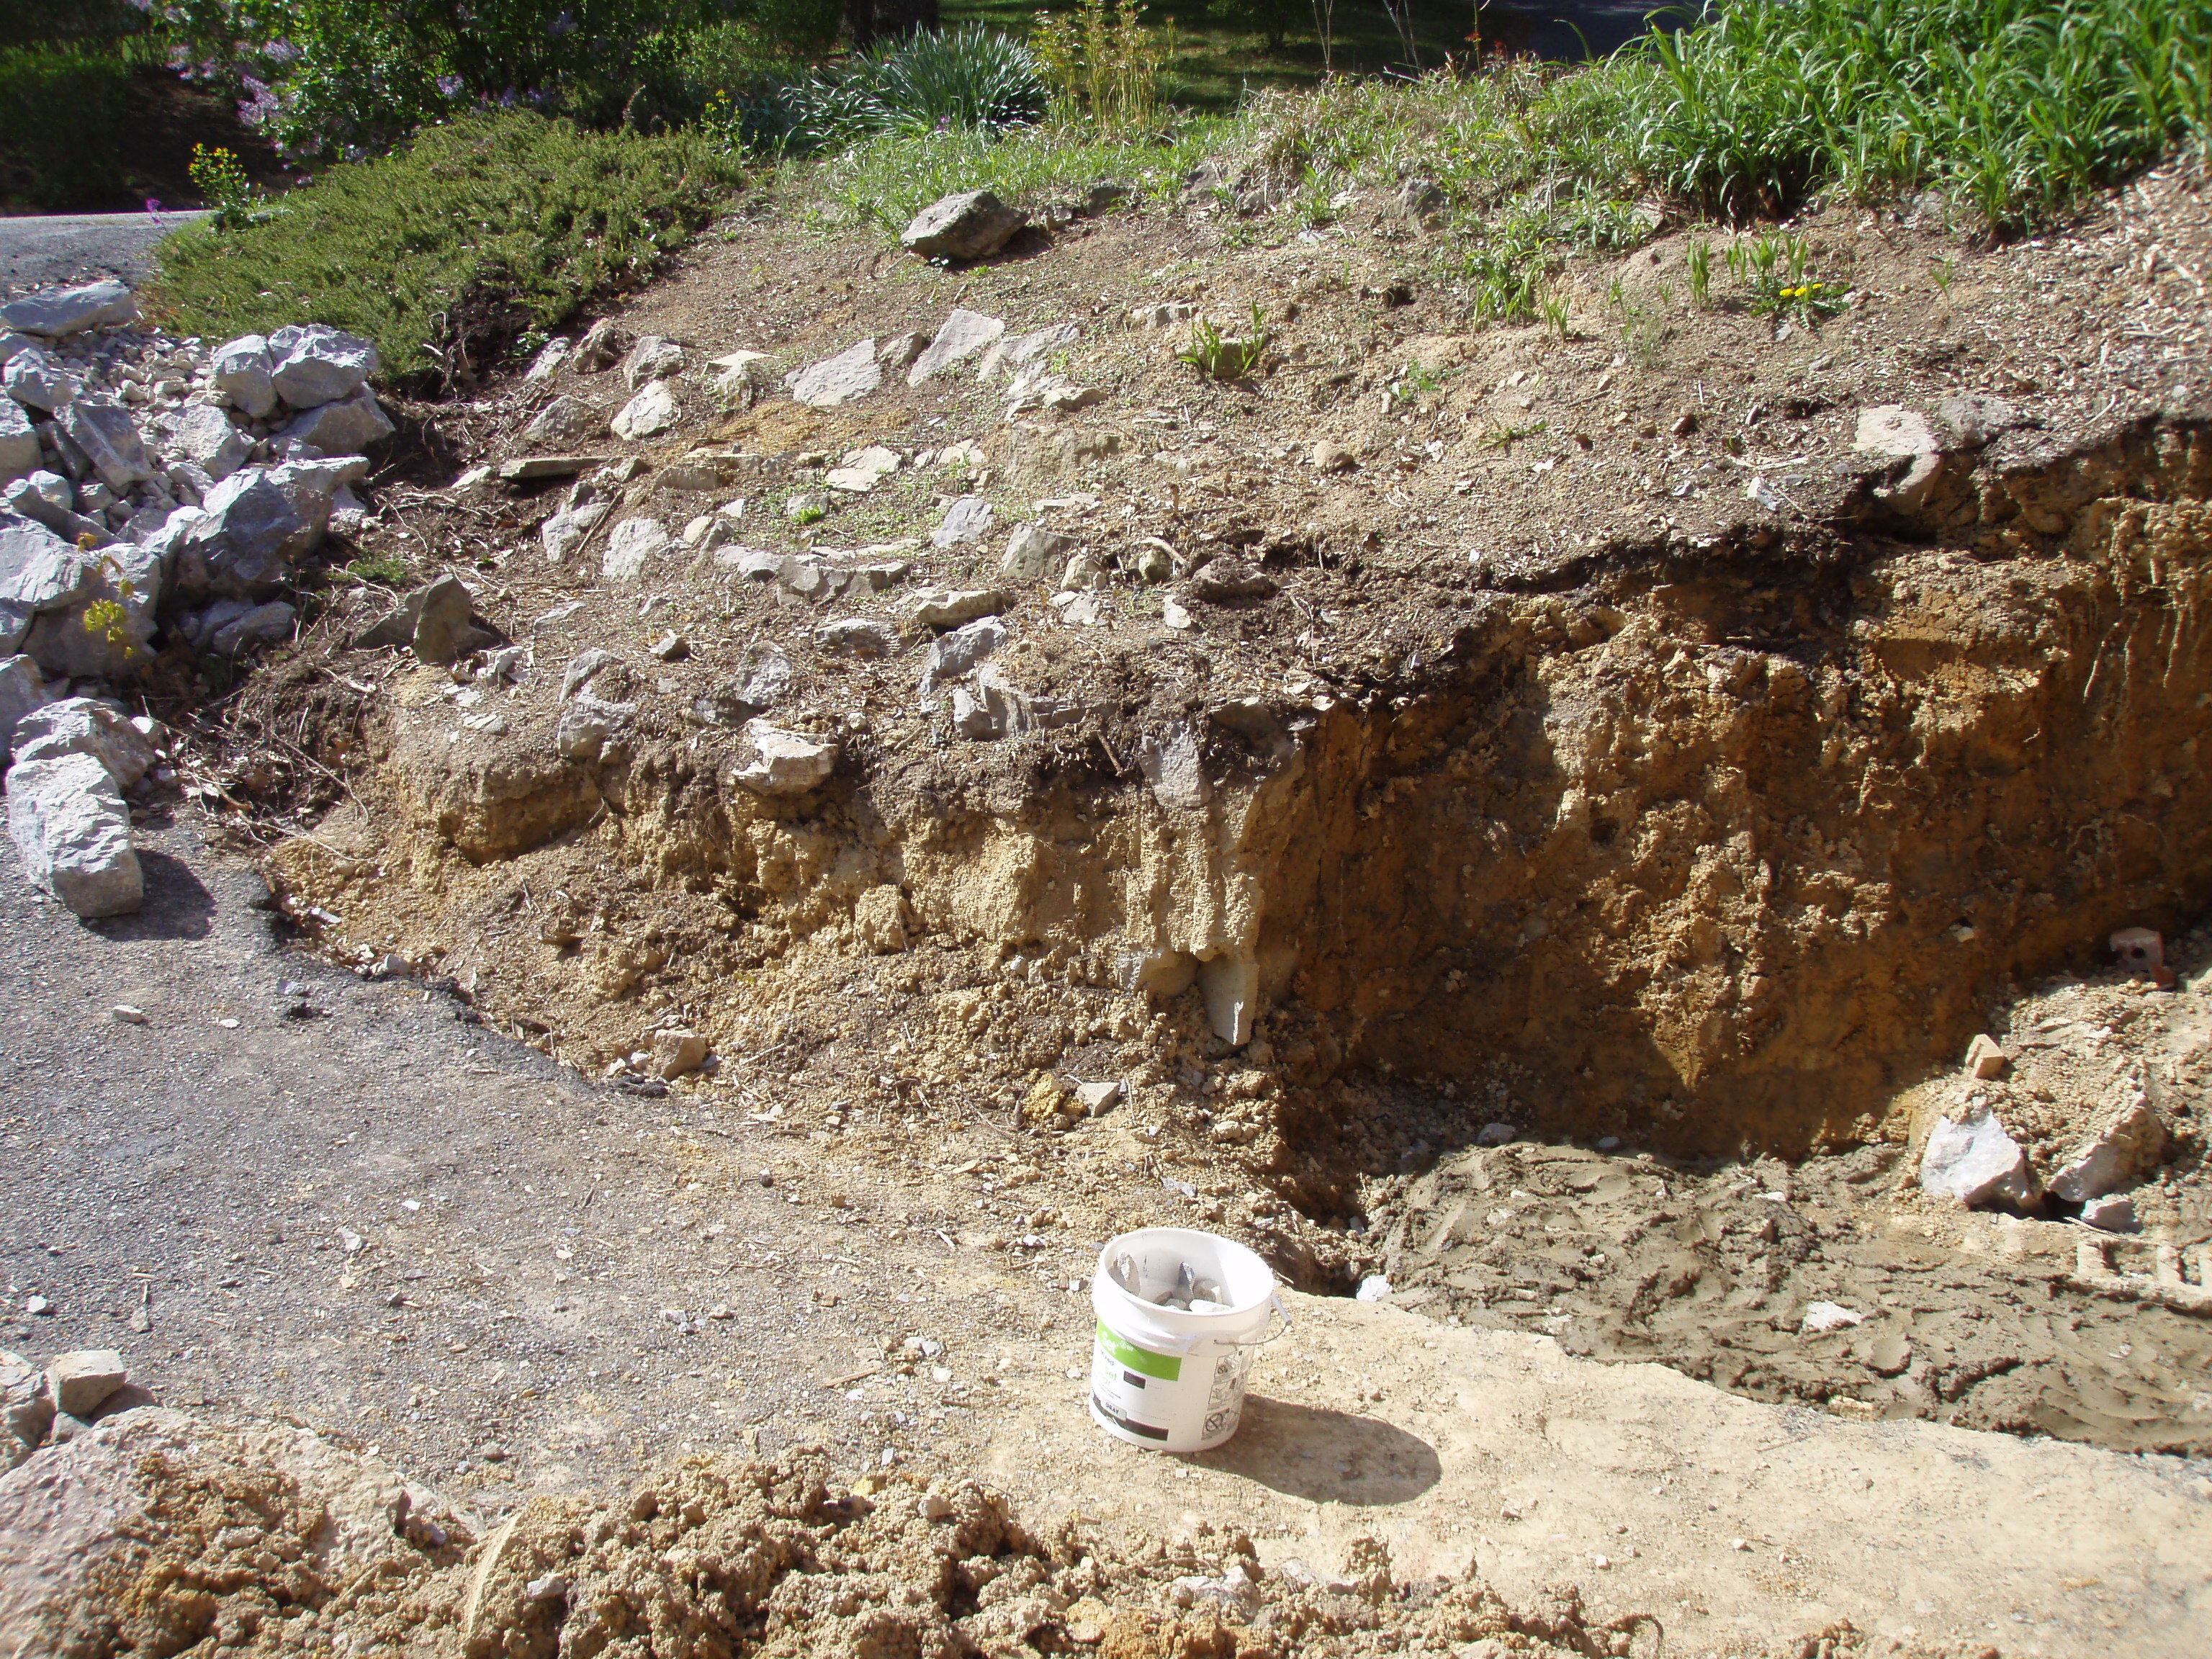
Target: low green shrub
61, 123
448, 250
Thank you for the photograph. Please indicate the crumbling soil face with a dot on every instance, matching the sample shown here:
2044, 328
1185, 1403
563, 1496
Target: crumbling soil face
1705, 791
157, 1533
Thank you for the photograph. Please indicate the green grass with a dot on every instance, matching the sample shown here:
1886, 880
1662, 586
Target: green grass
453, 246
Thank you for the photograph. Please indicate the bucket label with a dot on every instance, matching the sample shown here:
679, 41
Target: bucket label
1166, 1367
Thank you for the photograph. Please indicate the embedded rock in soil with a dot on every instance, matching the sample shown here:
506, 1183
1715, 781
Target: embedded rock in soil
1974, 1161
648, 415
962, 335
780, 762
853, 373
2123, 1145
969, 226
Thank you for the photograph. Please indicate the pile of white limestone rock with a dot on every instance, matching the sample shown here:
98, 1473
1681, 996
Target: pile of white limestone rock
149, 486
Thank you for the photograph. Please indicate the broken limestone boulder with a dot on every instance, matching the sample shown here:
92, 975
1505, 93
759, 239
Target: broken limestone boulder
1175, 768
764, 675
107, 434
946, 607
593, 729
856, 636
564, 421
343, 426
244, 374
1033, 553
73, 831
19, 443
208, 438
104, 632
651, 359
1015, 352
23, 690
777, 762
82, 1382
37, 381
314, 364
971, 225
443, 628
57, 313
853, 373
39, 572
967, 520
85, 725
563, 532
652, 411
631, 546
1972, 1159
960, 651
242, 544
2125, 1140
27, 1410
964, 333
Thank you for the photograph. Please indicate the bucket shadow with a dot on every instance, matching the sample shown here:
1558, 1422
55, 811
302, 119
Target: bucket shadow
1325, 1456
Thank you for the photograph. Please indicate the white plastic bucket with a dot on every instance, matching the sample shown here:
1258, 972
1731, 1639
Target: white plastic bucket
1164, 1379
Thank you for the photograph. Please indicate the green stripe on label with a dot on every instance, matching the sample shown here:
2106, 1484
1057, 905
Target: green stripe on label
1166, 1367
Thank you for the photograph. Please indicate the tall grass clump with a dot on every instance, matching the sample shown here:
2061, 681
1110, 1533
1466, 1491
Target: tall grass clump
2018, 106
442, 252
968, 78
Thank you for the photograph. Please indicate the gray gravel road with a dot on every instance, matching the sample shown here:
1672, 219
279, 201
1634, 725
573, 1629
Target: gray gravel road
48, 251
517, 1231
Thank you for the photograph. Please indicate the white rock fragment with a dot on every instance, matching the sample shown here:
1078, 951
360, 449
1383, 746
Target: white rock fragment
314, 364
80, 1382
59, 311
208, 438
961, 336
560, 534
1821, 1316
631, 546
109, 437
73, 831
651, 359
650, 413
343, 426
1902, 437
244, 373
19, 442
1175, 770
2114, 1213
2125, 1144
782, 762
1373, 1288
1974, 1161
23, 690
37, 381
853, 373
85, 725
1986, 1060
945, 607
967, 520
1032, 552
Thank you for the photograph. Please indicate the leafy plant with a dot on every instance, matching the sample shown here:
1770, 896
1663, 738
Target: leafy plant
1225, 356
1553, 309
1775, 268
222, 182
967, 78
1102, 63
1700, 263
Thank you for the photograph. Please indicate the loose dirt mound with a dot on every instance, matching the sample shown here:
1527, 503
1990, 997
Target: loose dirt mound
159, 1533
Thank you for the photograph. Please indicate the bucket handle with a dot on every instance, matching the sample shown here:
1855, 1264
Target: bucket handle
1275, 1304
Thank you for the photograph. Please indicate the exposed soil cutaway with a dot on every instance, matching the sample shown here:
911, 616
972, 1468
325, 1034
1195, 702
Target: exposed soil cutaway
1716, 835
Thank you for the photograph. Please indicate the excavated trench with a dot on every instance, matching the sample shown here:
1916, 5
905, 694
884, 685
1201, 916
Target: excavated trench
1717, 851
